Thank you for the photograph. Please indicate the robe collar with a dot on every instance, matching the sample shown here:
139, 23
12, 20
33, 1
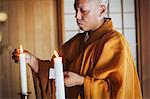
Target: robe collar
106, 27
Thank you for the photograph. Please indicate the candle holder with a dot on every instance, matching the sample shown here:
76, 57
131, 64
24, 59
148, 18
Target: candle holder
24, 96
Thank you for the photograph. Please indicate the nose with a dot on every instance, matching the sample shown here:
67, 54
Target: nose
78, 15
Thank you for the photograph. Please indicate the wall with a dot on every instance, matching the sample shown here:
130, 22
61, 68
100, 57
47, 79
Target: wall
31, 23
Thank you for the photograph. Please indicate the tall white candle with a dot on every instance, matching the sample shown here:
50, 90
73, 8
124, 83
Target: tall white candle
23, 73
59, 77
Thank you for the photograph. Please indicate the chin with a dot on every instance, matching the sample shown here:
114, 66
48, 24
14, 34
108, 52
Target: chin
83, 29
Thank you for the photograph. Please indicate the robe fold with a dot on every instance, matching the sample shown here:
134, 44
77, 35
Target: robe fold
105, 61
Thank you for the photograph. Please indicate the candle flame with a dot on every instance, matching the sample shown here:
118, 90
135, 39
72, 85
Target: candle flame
21, 49
55, 53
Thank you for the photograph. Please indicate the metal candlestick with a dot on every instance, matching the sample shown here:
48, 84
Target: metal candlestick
24, 96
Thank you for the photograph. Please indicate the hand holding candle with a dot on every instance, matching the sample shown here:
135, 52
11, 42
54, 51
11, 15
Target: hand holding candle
59, 77
23, 73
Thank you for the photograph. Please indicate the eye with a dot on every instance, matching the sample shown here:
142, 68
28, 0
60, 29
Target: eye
84, 11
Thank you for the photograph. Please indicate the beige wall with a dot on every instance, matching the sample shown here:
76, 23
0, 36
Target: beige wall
31, 23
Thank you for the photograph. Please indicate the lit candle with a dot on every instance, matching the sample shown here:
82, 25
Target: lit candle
23, 73
59, 77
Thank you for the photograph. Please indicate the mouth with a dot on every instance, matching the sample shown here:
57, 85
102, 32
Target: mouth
80, 24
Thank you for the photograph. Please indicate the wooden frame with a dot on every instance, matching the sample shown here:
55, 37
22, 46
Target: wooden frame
60, 21
143, 38
138, 38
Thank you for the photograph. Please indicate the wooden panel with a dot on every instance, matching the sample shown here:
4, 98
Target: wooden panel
11, 35
32, 23
30, 40
145, 46
60, 22
5, 56
142, 11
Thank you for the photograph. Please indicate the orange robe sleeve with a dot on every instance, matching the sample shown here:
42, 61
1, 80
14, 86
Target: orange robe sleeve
114, 75
42, 85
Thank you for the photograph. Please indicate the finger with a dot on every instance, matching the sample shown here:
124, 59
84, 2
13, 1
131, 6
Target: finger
16, 61
66, 82
66, 79
66, 74
15, 58
17, 50
15, 54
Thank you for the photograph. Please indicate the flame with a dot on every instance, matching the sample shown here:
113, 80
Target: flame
21, 49
55, 53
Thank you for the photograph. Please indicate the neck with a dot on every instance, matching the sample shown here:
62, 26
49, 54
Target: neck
100, 23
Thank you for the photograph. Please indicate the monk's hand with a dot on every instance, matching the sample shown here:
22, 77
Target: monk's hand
15, 55
72, 79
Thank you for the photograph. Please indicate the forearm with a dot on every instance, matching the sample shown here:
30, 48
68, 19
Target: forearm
34, 64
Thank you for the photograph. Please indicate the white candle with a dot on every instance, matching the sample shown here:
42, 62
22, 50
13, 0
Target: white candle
23, 73
59, 77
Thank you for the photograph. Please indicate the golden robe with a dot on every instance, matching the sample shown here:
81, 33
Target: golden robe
105, 62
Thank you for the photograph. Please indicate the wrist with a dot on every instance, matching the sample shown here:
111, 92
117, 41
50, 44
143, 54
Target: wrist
28, 58
34, 64
81, 80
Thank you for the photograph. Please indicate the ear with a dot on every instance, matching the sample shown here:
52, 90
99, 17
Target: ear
102, 9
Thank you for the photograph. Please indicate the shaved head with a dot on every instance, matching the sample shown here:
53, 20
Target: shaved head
90, 13
98, 1
104, 2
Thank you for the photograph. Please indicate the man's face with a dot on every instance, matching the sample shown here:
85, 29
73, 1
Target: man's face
87, 14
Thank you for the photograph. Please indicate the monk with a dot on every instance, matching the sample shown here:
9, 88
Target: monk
97, 63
